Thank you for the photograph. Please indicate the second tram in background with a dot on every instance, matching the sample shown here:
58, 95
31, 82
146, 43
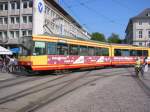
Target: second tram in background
42, 53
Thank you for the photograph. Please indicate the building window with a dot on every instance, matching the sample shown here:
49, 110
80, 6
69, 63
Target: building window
24, 19
5, 34
148, 14
24, 33
148, 34
17, 34
29, 32
140, 22
30, 4
13, 5
17, 20
140, 43
1, 6
18, 5
52, 14
5, 20
1, 35
5, 6
1, 21
25, 4
140, 34
12, 20
12, 34
30, 19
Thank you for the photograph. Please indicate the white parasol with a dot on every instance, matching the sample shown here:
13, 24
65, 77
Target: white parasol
5, 51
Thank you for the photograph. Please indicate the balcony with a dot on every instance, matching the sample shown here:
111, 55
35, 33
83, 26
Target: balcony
3, 27
4, 13
13, 41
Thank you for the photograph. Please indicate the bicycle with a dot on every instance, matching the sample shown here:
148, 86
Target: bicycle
139, 70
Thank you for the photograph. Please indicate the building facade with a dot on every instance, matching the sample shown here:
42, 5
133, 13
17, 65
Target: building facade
138, 29
16, 21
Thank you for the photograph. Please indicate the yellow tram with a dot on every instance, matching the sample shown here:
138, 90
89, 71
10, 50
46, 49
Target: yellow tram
44, 52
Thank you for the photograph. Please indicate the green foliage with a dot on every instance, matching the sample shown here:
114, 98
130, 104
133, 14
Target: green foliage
114, 38
98, 37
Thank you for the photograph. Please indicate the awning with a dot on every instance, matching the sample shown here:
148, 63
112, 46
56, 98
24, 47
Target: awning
5, 51
15, 50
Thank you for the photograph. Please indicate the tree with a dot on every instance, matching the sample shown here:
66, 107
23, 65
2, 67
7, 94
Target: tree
98, 37
114, 38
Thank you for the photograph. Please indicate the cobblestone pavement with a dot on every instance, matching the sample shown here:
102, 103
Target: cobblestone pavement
116, 94
119, 93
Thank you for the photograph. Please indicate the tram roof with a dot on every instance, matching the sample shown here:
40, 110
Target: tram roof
81, 39
74, 38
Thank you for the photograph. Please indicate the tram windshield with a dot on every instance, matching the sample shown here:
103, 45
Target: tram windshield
39, 48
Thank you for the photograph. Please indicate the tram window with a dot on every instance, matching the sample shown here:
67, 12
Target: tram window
145, 53
133, 53
62, 48
105, 52
125, 52
139, 52
73, 50
83, 51
117, 52
98, 51
51, 48
91, 51
39, 48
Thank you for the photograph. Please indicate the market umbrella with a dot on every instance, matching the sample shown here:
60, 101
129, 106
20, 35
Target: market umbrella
5, 51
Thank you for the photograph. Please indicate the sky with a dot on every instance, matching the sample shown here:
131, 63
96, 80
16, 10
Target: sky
104, 16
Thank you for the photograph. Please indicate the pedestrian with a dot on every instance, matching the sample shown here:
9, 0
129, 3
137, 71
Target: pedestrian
12, 63
9, 63
145, 64
15, 64
138, 67
5, 67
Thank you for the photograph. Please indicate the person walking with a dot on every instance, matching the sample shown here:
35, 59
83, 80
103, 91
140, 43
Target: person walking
15, 64
5, 67
145, 65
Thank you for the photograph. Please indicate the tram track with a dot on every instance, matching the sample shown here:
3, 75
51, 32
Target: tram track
39, 87
59, 93
10, 84
10, 79
43, 86
17, 81
34, 89
13, 81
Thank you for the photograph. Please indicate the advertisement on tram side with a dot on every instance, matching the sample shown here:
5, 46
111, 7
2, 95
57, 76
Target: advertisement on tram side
57, 59
126, 59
